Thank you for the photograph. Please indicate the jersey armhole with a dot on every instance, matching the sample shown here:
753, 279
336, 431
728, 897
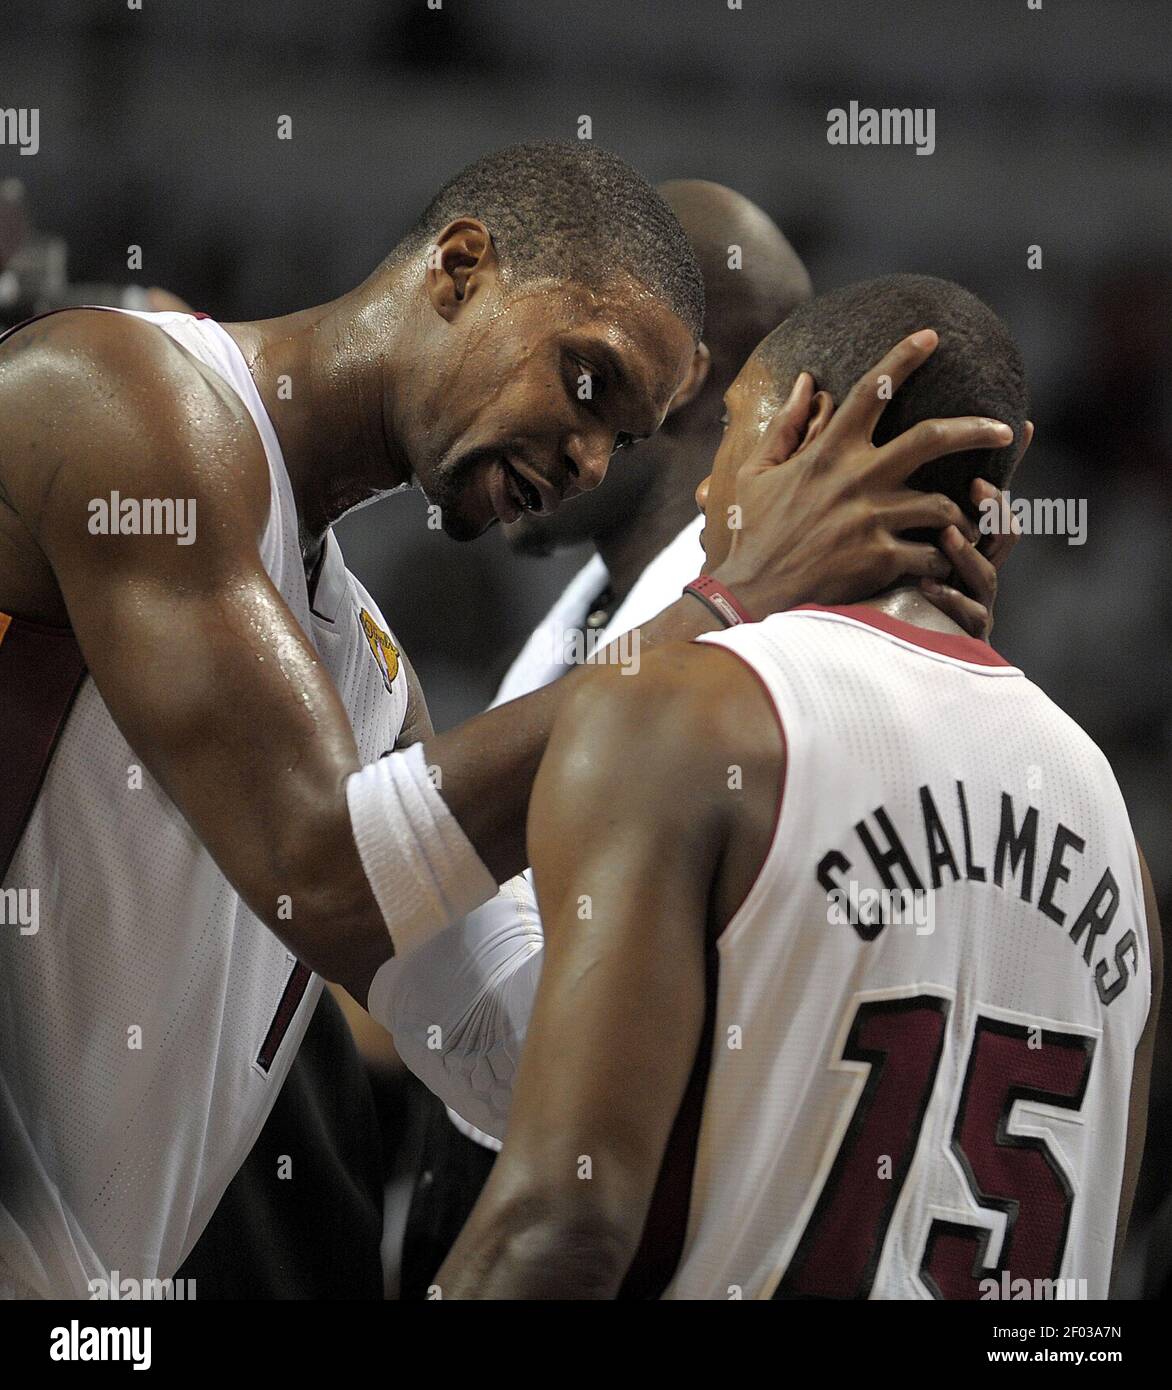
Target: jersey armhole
757, 887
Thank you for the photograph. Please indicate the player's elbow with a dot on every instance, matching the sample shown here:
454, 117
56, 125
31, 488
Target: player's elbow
319, 901
574, 1248
343, 944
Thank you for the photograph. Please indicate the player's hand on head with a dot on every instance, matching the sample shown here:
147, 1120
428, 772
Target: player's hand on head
997, 546
787, 427
827, 528
969, 598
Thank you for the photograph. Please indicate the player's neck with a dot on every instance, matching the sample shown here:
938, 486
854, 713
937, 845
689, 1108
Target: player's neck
663, 511
909, 605
315, 373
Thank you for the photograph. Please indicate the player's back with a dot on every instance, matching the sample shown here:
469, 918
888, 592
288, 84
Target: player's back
927, 1007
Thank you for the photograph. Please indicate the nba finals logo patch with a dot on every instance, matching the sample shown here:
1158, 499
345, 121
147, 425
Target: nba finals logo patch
382, 648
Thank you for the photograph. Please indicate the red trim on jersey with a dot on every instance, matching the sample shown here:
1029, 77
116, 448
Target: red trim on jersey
291, 997
41, 671
662, 1243
957, 645
772, 703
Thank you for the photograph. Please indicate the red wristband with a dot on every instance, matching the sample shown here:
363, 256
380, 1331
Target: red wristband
723, 602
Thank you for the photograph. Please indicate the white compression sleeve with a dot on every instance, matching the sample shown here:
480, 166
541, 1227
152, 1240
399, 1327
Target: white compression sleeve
458, 1006
423, 870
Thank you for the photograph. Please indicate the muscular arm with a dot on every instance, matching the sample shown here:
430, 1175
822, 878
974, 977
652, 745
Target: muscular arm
417, 720
630, 827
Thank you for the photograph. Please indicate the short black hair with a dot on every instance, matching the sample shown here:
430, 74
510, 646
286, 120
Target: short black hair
571, 211
976, 369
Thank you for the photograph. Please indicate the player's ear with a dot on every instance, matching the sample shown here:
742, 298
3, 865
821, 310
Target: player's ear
821, 409
460, 261
1027, 435
693, 383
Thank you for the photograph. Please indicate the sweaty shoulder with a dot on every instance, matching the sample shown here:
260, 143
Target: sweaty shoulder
103, 401
97, 407
694, 721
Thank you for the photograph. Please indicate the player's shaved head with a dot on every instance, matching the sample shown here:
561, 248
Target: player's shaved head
976, 370
556, 310
753, 277
567, 210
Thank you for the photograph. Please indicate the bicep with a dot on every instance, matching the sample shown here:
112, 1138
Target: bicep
623, 857
216, 687
617, 1019
417, 725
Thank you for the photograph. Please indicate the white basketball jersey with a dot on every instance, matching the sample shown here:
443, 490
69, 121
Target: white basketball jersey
912, 1092
551, 647
148, 1023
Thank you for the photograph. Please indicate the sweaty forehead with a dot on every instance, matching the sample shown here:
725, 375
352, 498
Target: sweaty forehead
637, 332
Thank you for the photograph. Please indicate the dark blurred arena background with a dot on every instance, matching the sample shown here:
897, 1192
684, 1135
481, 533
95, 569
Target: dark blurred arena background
158, 128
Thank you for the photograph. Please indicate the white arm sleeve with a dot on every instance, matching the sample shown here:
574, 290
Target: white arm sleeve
458, 1006
423, 870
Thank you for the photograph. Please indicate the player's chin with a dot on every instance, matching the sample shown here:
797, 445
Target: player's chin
530, 535
463, 512
464, 499
465, 527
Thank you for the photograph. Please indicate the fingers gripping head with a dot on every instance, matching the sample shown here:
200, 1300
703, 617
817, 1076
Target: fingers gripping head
976, 369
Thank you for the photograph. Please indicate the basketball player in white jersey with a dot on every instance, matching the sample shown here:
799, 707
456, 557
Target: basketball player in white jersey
748, 1072
197, 820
